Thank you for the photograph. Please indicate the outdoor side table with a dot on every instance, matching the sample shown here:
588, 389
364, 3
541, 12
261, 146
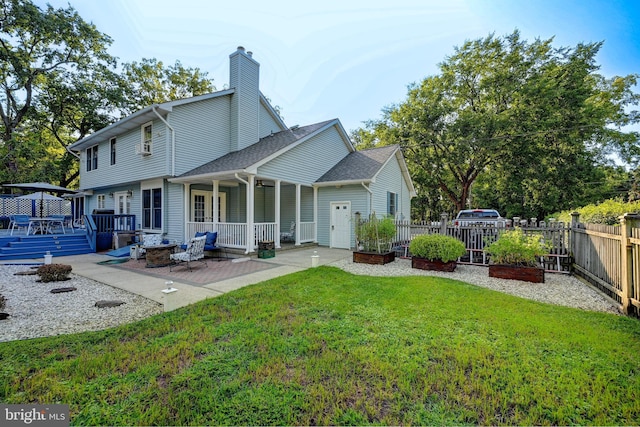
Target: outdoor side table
160, 255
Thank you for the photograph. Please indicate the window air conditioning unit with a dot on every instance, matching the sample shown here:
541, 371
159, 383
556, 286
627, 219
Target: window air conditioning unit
143, 149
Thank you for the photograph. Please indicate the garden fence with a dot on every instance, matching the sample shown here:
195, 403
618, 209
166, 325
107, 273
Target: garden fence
606, 256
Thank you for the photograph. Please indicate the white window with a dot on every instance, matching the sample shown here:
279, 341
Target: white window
101, 201
392, 203
145, 145
92, 158
152, 208
112, 145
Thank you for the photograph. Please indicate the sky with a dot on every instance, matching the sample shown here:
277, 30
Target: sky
348, 59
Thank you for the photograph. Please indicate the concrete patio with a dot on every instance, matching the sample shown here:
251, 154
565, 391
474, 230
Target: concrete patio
216, 278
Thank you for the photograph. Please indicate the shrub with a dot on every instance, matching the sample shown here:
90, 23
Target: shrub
606, 212
376, 234
437, 247
54, 272
514, 247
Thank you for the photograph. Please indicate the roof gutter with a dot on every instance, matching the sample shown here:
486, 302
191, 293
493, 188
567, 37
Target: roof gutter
173, 140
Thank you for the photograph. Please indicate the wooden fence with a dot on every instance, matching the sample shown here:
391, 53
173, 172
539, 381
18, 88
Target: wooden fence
609, 258
606, 256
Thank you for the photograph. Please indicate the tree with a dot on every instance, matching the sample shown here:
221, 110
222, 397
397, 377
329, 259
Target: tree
34, 46
151, 83
59, 84
528, 120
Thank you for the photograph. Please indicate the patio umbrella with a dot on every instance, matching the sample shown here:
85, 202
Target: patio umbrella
41, 187
40, 195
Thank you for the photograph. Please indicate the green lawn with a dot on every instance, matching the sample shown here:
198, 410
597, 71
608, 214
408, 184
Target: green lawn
326, 347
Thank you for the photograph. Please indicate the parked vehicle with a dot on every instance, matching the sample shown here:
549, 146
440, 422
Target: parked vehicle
482, 217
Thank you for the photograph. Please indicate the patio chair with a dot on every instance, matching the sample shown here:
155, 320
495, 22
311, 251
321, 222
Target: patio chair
289, 236
56, 222
148, 240
20, 221
210, 244
194, 252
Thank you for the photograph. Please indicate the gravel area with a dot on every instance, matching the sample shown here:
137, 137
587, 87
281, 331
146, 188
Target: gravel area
36, 312
558, 288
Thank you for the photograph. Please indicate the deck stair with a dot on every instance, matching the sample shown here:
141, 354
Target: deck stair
29, 247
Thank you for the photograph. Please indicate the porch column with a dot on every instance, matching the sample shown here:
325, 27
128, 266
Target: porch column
186, 191
250, 243
216, 203
297, 215
277, 213
315, 214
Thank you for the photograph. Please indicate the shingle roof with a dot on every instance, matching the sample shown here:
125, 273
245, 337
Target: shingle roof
359, 165
253, 154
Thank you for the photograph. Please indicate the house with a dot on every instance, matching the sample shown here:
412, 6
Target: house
227, 162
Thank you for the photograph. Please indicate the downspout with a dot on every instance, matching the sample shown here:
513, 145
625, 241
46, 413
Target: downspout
173, 140
77, 156
370, 198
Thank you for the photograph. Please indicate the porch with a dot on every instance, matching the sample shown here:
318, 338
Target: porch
235, 235
245, 210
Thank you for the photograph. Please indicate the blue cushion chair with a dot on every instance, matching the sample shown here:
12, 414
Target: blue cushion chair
210, 243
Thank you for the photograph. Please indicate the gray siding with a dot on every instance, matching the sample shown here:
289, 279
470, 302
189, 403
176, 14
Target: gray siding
390, 179
174, 221
268, 124
129, 167
308, 161
356, 194
202, 132
244, 76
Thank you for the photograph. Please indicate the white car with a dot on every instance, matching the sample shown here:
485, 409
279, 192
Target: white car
486, 217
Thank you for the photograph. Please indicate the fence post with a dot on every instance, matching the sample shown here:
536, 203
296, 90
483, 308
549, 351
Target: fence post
575, 220
444, 218
627, 222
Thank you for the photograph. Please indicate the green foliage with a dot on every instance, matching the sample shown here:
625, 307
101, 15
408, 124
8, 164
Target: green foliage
375, 235
150, 82
324, 347
514, 247
60, 85
54, 272
607, 212
529, 122
437, 247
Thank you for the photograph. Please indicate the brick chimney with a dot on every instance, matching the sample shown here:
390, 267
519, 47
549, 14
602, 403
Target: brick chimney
244, 76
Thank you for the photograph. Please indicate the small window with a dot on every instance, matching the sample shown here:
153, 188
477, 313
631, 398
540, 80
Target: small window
112, 145
145, 145
92, 158
152, 208
101, 201
392, 203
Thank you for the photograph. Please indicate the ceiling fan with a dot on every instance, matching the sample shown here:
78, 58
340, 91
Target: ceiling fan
260, 184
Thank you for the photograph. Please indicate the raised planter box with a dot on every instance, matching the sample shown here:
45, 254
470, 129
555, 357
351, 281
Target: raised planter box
374, 257
527, 274
435, 265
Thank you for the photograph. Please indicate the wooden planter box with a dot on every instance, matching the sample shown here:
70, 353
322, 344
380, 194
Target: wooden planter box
374, 257
435, 265
514, 272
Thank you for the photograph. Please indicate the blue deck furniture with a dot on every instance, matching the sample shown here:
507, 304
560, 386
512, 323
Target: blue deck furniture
210, 243
20, 221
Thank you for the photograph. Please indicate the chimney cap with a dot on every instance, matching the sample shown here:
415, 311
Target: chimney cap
241, 48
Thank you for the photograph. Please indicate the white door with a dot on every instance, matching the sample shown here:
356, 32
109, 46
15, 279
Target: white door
340, 225
202, 206
122, 207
